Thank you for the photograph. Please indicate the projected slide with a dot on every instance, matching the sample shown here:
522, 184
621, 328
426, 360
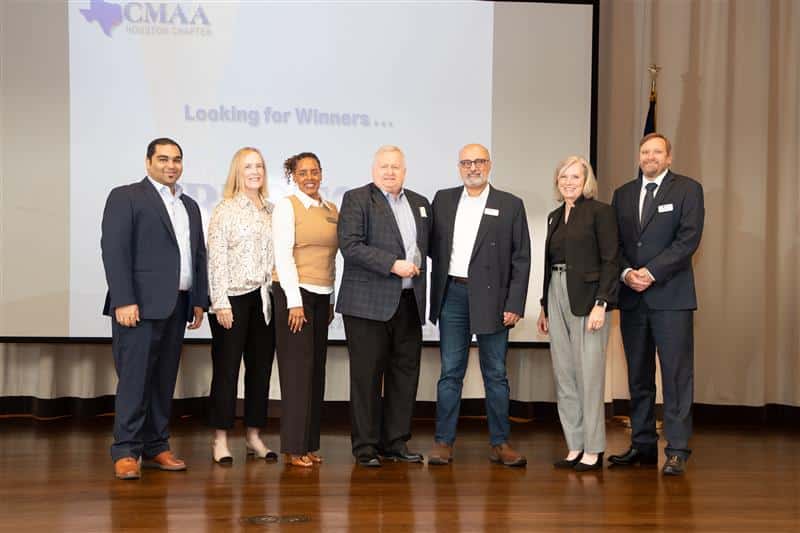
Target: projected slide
338, 79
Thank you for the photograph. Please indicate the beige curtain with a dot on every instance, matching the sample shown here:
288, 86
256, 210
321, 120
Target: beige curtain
728, 98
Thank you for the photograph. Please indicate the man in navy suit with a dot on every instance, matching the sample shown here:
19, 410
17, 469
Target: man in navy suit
155, 262
383, 235
481, 252
660, 218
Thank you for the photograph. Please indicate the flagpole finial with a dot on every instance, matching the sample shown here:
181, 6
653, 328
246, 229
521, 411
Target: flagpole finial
654, 69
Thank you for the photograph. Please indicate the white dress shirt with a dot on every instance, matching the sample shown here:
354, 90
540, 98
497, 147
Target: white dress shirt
468, 219
180, 224
283, 237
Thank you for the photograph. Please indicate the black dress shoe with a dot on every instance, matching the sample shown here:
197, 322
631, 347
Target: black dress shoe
370, 461
402, 454
568, 463
632, 457
675, 466
597, 465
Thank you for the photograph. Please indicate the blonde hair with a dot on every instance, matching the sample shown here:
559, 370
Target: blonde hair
235, 182
389, 148
590, 183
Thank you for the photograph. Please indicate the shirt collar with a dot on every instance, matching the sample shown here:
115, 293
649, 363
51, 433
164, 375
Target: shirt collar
388, 195
307, 201
161, 188
482, 196
658, 179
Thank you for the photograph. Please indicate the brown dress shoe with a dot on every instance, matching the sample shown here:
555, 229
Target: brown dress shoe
297, 460
127, 468
441, 454
166, 460
506, 455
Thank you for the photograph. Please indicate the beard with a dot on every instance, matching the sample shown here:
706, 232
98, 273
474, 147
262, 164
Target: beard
475, 180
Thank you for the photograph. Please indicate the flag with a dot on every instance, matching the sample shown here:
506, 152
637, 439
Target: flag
650, 121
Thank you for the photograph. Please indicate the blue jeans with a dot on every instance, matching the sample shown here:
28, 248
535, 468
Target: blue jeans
454, 341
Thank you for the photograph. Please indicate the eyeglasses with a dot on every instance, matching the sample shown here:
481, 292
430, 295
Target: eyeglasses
467, 163
305, 173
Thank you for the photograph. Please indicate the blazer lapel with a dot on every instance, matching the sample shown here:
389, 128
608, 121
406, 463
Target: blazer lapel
487, 221
661, 193
193, 225
418, 222
158, 205
386, 212
553, 220
451, 207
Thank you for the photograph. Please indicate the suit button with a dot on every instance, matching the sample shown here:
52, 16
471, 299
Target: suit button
488, 286
639, 244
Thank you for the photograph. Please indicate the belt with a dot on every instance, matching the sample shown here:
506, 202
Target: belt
459, 280
561, 267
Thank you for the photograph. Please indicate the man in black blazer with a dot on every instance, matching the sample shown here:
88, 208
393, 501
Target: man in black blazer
481, 255
383, 236
155, 263
660, 219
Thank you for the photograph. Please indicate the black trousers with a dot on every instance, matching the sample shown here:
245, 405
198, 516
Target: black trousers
146, 358
672, 333
301, 361
256, 340
383, 353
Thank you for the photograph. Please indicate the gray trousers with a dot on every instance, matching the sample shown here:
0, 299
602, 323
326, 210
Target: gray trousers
579, 368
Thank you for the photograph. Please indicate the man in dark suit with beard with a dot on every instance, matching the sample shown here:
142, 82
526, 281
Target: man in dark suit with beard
660, 218
383, 237
155, 263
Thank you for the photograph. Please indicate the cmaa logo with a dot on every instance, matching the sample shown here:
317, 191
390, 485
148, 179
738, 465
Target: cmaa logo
110, 15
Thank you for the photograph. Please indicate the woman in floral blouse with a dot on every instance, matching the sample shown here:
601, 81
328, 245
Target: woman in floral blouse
240, 254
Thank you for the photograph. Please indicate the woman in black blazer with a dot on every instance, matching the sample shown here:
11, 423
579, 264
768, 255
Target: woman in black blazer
581, 274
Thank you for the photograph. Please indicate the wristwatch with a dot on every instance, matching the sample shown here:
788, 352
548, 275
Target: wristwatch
602, 303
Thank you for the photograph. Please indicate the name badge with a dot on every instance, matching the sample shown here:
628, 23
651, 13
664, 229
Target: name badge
422, 212
491, 211
665, 208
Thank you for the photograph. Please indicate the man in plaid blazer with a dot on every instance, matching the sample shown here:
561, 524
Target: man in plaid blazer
383, 235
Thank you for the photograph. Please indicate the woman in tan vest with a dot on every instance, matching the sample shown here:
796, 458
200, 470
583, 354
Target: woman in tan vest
305, 264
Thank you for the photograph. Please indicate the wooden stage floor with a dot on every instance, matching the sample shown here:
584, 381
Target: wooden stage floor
57, 476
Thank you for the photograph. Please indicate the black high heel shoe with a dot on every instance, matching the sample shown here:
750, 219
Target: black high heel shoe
568, 463
598, 465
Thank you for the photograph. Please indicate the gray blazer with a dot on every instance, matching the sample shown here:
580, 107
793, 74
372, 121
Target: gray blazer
501, 258
370, 241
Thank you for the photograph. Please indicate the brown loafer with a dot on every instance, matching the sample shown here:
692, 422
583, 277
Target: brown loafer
127, 468
315, 458
441, 454
298, 460
166, 460
506, 455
